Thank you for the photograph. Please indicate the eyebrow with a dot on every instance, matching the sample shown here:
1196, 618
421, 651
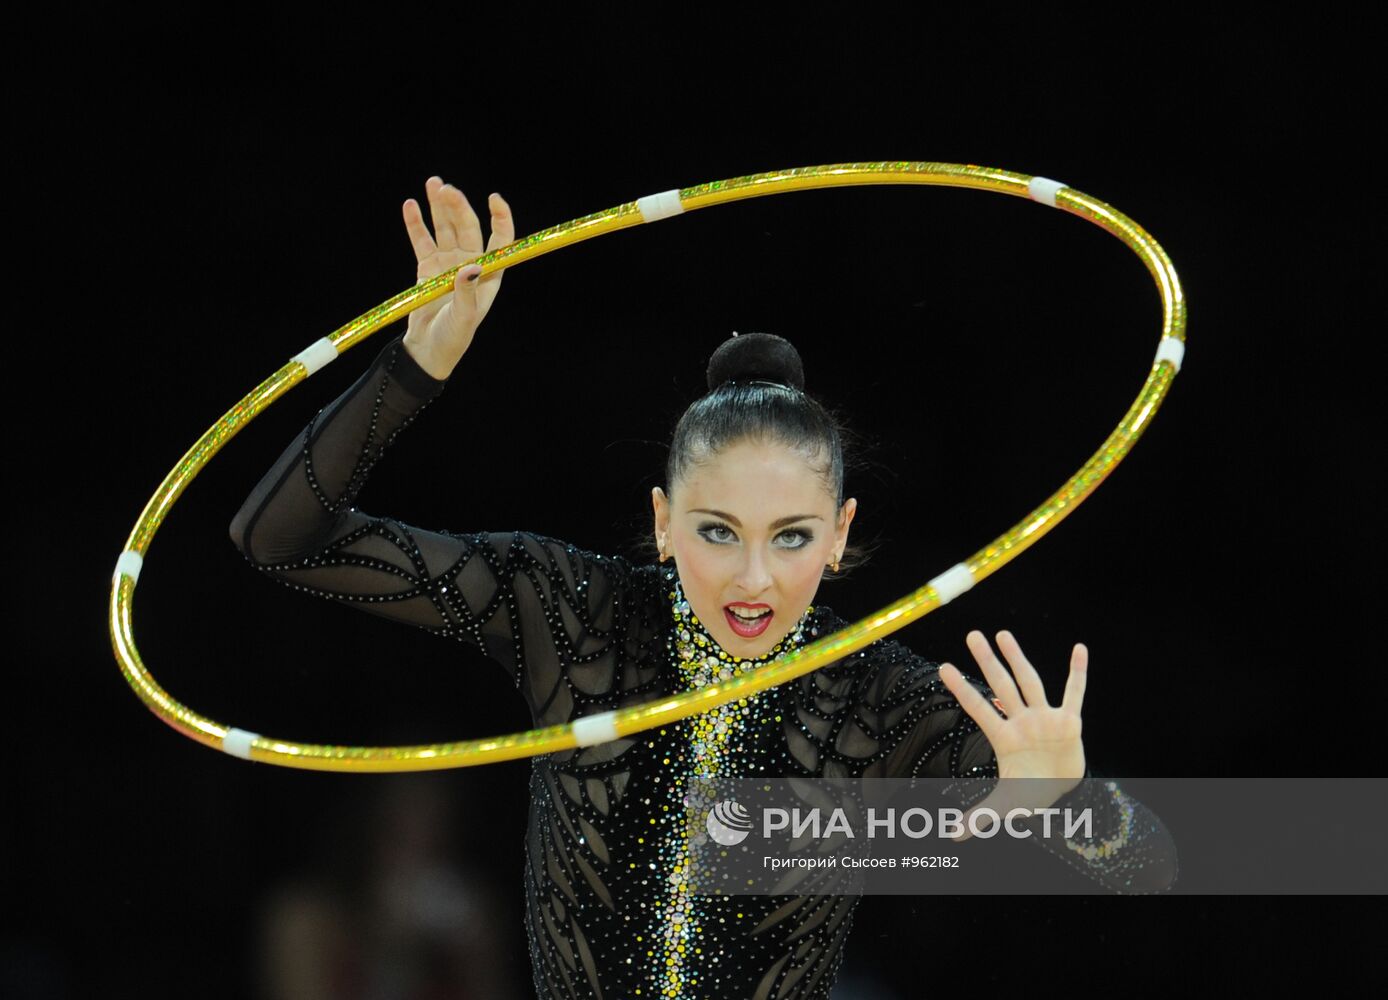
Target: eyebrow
774, 524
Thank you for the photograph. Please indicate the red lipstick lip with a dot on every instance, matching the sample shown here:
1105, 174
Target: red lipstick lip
744, 604
748, 630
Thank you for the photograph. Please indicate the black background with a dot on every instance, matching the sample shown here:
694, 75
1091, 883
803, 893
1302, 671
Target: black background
197, 207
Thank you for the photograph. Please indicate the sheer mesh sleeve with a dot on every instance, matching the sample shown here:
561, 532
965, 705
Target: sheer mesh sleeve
1130, 851
538, 606
891, 716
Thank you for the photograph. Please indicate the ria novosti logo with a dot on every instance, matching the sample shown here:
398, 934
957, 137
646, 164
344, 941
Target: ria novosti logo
728, 823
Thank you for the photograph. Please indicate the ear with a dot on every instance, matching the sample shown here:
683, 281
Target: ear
846, 512
661, 505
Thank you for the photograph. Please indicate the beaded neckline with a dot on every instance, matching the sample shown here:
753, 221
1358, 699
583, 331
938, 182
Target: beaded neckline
697, 655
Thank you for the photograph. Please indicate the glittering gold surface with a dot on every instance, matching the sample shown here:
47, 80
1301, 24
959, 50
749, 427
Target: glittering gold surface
981, 564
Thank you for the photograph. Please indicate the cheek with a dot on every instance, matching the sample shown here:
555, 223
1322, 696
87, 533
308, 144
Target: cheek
807, 579
800, 577
702, 577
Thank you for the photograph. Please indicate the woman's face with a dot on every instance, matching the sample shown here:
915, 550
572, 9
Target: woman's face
751, 529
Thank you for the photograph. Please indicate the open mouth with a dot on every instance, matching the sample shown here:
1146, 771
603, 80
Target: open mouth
748, 622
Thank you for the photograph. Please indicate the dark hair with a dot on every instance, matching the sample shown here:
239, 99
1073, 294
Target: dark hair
756, 391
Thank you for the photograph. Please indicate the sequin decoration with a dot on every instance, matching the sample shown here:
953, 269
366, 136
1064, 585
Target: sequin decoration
712, 746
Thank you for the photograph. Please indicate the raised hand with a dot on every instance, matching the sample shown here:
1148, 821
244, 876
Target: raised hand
1034, 741
440, 333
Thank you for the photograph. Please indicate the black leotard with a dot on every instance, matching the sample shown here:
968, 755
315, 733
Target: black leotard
582, 633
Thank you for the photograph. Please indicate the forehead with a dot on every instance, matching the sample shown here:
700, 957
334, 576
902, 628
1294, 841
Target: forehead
754, 476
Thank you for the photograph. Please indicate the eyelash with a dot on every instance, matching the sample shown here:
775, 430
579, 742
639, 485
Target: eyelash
800, 532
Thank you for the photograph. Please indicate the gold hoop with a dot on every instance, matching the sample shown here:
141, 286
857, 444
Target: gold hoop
612, 725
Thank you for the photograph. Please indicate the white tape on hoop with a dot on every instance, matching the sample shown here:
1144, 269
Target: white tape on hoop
316, 355
591, 729
1170, 349
1043, 189
659, 206
952, 582
129, 563
237, 742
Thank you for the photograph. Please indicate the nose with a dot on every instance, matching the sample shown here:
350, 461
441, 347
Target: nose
754, 576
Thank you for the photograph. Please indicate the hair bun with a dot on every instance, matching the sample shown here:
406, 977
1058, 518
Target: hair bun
753, 356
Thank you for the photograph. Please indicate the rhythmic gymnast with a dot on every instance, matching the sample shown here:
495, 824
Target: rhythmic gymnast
751, 519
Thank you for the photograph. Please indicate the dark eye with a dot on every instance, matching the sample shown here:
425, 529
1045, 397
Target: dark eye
804, 537
707, 528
